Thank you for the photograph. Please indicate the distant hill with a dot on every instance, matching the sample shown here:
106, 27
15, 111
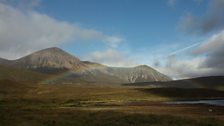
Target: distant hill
66, 68
200, 82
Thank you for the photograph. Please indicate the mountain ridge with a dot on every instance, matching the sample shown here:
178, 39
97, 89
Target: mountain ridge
55, 60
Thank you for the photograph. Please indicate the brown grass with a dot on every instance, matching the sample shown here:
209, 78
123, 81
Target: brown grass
54, 105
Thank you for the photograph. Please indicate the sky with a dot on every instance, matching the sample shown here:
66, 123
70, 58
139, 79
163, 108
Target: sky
180, 38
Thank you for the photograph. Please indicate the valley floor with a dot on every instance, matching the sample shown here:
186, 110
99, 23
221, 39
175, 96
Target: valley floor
65, 105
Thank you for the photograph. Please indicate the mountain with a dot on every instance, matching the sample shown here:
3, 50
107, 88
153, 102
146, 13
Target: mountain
48, 60
69, 69
140, 73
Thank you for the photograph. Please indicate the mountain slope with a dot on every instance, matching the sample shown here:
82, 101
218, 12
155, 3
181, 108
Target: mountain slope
48, 59
140, 73
70, 69
15, 74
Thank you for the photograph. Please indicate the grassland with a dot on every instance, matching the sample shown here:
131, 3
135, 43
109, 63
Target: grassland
25, 104
22, 75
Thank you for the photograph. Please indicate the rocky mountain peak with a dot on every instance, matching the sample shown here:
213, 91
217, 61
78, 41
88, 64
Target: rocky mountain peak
50, 58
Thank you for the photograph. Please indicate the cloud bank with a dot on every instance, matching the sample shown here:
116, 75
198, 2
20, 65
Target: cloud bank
206, 60
212, 20
214, 50
22, 32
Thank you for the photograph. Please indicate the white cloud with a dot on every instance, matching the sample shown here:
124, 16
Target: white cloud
184, 68
207, 60
22, 32
214, 49
112, 57
213, 44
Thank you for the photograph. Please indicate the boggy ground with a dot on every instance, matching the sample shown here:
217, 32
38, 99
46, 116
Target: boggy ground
63, 105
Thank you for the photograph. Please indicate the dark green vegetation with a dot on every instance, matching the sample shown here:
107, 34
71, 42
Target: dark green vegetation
52, 117
186, 94
33, 104
212, 82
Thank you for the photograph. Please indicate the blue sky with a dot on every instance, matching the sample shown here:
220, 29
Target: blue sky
143, 24
146, 26
165, 34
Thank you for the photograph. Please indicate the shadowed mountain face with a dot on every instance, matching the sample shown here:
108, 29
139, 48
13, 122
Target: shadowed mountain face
57, 61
